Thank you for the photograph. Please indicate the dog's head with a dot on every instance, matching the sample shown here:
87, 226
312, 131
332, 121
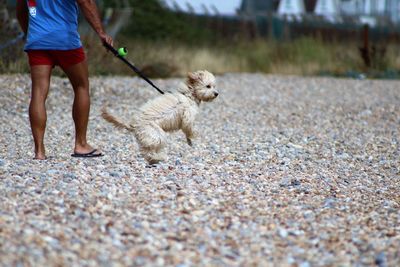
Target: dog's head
202, 85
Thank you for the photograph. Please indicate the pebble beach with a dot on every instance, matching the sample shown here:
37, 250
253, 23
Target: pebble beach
285, 171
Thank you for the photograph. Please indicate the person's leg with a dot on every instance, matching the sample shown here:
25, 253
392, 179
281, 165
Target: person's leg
79, 78
40, 75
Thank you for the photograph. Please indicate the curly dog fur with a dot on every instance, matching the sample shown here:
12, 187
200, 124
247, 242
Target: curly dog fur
170, 112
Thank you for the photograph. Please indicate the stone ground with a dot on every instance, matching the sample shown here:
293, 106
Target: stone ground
286, 171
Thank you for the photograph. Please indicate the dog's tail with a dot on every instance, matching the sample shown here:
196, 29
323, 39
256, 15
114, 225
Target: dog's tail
111, 119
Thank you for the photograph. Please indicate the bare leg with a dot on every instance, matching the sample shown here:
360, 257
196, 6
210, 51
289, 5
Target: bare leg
79, 78
40, 76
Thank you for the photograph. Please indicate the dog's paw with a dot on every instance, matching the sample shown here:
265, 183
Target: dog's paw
189, 141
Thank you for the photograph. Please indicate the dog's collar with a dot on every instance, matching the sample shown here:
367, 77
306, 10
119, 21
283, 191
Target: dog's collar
193, 96
189, 94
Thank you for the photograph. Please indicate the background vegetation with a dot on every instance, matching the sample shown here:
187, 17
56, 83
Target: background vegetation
166, 43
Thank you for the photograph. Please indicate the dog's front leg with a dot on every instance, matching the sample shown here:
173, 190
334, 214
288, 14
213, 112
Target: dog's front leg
188, 131
187, 126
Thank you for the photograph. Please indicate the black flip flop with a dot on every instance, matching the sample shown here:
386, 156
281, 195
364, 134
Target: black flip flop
87, 155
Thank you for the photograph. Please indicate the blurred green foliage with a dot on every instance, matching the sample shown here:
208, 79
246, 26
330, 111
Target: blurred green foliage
151, 20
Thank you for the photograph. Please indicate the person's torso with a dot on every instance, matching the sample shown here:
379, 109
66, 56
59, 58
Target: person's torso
53, 25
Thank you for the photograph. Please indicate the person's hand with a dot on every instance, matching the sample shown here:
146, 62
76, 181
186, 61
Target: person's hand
106, 39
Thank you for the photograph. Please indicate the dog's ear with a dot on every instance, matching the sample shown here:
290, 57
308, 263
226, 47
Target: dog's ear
192, 78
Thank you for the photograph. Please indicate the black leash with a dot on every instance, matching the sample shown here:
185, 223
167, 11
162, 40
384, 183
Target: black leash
116, 54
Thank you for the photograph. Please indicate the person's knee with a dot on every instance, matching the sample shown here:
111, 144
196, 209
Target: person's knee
82, 89
39, 94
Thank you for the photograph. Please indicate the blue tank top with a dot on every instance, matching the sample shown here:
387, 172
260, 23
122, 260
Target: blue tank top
53, 25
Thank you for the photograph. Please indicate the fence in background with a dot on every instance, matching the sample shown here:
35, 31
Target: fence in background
285, 29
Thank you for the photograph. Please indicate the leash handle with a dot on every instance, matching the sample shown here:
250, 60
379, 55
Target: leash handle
138, 72
111, 49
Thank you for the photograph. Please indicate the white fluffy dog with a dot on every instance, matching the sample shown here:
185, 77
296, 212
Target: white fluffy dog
170, 112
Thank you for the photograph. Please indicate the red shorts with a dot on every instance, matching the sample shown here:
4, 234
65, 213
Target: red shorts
62, 58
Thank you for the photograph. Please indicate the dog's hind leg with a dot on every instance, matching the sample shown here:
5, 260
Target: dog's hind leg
153, 157
152, 141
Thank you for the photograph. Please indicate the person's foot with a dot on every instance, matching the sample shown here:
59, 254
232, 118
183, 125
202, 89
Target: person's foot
86, 149
40, 157
40, 154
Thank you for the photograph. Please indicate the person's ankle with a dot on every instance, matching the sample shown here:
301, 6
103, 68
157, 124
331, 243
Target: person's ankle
40, 156
81, 145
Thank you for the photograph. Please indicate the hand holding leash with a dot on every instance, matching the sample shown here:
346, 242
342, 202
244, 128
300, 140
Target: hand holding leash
106, 39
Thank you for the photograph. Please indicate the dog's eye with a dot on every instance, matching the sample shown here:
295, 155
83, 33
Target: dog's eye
208, 86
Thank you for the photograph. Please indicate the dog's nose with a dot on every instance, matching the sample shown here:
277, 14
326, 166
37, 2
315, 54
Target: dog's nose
216, 94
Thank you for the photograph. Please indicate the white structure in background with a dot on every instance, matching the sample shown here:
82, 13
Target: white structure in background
369, 11
292, 9
368, 15
329, 9
394, 10
390, 9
